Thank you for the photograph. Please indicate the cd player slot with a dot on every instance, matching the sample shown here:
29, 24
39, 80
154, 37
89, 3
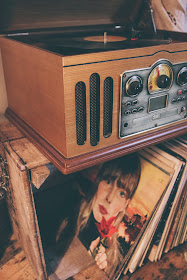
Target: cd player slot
156, 116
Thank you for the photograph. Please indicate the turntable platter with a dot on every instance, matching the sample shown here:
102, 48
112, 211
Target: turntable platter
96, 43
105, 39
82, 44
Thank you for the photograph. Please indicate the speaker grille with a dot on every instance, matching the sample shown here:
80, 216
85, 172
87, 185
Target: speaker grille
107, 107
80, 105
94, 108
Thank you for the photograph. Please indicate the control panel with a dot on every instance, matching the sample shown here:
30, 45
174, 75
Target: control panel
152, 97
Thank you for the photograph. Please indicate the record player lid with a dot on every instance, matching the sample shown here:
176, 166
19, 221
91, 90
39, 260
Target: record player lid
21, 15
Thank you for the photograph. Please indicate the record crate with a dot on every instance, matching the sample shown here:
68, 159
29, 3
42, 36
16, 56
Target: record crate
36, 195
39, 197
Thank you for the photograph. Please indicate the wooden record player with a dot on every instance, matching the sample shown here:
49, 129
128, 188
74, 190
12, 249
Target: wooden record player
88, 81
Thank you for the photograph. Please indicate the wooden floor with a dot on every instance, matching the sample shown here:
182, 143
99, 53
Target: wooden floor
172, 266
13, 263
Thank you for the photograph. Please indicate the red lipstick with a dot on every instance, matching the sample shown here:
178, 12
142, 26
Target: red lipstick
103, 210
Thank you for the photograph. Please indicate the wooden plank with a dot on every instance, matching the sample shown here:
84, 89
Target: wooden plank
13, 263
17, 268
9, 190
39, 175
9, 132
10, 248
26, 220
93, 273
25, 154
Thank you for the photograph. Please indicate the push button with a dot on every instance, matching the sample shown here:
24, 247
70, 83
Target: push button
179, 99
128, 112
180, 91
127, 104
134, 102
140, 109
174, 100
135, 110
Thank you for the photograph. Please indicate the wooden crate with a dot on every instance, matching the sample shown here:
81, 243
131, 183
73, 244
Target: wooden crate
28, 172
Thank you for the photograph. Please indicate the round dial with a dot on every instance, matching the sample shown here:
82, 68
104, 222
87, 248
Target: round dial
182, 76
160, 78
134, 86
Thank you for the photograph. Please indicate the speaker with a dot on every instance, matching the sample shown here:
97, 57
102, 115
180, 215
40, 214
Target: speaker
94, 108
107, 107
80, 105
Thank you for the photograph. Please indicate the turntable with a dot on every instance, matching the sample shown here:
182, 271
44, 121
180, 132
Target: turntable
89, 81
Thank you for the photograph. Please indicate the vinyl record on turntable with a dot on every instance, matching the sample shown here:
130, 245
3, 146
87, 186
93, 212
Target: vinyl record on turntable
92, 42
105, 38
103, 42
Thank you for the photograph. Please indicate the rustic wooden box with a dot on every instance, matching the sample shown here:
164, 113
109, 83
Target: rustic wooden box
32, 208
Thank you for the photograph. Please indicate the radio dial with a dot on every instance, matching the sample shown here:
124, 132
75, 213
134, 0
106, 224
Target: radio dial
163, 81
182, 76
160, 78
134, 86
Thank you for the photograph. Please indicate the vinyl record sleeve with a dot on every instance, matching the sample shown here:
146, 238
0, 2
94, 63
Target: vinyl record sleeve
153, 223
154, 180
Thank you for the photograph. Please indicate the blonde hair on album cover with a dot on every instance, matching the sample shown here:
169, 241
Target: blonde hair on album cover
125, 171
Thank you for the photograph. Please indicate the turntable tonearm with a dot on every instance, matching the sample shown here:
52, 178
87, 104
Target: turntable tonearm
95, 90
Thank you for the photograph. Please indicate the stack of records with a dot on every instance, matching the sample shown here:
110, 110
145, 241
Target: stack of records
99, 212
166, 224
155, 219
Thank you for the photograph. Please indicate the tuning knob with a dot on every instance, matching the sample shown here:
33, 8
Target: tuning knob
134, 86
163, 81
182, 76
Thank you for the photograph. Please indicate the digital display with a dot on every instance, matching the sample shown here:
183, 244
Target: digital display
156, 103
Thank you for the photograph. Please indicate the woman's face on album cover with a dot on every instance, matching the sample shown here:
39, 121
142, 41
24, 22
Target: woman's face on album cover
109, 200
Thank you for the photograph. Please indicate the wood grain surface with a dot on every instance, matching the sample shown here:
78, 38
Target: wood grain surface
42, 90
73, 164
173, 266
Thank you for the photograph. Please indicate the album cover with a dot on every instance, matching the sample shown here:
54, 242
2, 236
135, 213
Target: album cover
154, 180
120, 213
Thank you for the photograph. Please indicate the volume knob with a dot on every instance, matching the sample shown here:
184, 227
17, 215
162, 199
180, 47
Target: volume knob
134, 86
163, 81
182, 76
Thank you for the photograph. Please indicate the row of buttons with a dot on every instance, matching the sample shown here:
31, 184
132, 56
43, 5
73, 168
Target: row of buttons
129, 103
178, 99
133, 111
